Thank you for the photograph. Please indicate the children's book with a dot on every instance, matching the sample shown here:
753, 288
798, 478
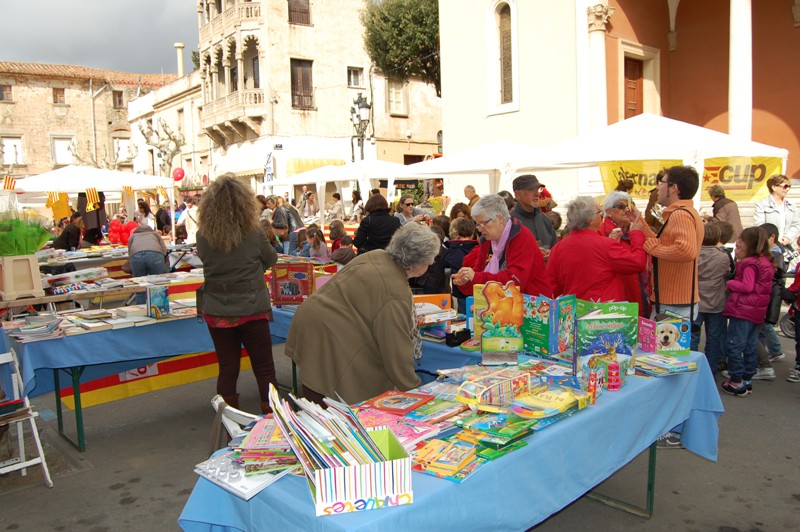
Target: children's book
501, 323
607, 330
673, 334
659, 365
428, 313
647, 336
437, 410
547, 401
506, 425
548, 326
462, 474
410, 432
375, 417
397, 402
157, 301
291, 282
442, 390
452, 458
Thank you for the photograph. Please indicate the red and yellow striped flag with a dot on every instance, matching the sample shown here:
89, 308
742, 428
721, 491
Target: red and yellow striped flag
127, 190
9, 183
92, 196
52, 197
161, 192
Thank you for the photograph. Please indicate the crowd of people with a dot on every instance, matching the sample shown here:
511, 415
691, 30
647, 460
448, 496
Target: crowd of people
357, 335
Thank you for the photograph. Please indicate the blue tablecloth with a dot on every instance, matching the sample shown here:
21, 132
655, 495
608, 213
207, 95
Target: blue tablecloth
107, 352
559, 465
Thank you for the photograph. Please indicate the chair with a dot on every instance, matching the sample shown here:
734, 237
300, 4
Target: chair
24, 412
231, 418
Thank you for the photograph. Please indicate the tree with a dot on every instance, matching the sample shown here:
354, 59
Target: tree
164, 139
109, 163
196, 59
402, 38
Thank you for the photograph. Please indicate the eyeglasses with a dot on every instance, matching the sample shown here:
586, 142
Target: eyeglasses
484, 223
621, 206
785, 187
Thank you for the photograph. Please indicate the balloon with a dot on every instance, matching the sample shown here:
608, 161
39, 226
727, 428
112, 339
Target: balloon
178, 174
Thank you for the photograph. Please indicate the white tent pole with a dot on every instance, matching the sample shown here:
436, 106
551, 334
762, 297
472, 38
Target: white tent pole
171, 196
321, 202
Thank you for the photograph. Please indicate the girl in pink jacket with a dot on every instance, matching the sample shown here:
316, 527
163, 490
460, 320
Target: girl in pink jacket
746, 308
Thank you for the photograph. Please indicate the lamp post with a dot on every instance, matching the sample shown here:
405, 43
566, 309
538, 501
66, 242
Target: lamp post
359, 114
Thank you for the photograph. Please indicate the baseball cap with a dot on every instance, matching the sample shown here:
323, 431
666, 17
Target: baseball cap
526, 182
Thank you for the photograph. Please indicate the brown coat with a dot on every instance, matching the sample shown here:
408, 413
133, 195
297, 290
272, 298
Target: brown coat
355, 336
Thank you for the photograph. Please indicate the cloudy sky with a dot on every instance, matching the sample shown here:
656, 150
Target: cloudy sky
129, 36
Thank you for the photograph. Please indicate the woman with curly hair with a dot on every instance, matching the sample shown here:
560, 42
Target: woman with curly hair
235, 254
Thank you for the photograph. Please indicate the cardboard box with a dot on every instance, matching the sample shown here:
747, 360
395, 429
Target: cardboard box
365, 486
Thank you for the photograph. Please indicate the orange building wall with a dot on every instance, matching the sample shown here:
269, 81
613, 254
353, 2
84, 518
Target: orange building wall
642, 23
694, 78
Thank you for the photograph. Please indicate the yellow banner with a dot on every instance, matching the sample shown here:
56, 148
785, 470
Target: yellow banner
642, 173
743, 178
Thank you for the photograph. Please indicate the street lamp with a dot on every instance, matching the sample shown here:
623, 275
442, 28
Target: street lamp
359, 114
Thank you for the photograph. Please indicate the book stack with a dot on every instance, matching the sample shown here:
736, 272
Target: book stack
454, 461
264, 450
37, 329
663, 365
495, 431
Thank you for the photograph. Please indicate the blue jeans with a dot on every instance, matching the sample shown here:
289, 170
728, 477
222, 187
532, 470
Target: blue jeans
740, 348
769, 338
147, 263
715, 337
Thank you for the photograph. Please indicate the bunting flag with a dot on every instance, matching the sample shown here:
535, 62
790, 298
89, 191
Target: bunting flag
161, 192
52, 197
9, 183
127, 190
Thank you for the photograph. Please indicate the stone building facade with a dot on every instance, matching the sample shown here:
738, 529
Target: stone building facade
278, 80
44, 108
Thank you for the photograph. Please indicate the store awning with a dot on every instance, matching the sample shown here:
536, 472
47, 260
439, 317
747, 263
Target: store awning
298, 166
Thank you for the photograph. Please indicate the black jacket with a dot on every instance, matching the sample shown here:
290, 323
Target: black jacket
375, 231
69, 239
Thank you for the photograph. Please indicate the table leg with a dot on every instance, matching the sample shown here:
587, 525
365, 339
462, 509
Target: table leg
75, 373
646, 512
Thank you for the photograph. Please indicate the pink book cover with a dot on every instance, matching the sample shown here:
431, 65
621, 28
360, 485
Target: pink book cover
647, 335
374, 417
411, 432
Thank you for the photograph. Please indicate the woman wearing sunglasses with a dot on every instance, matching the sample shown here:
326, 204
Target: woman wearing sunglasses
406, 211
776, 209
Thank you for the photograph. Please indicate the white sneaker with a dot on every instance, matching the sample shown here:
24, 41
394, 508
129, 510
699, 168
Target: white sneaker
764, 374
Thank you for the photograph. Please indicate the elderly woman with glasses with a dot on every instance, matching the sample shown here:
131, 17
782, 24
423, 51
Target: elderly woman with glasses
590, 265
507, 251
776, 209
620, 212
357, 335
406, 211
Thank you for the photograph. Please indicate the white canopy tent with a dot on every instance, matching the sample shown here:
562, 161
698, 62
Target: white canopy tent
361, 171
643, 137
493, 160
75, 179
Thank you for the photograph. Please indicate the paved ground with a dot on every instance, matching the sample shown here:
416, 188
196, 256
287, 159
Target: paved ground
137, 471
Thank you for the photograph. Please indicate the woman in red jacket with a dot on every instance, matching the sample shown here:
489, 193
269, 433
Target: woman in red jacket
590, 265
508, 251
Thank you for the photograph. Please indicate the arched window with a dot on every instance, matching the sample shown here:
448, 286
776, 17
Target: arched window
505, 52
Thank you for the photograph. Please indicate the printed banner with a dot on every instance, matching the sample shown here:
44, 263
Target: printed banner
642, 173
743, 178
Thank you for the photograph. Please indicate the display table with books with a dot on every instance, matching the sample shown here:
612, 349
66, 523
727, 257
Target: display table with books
89, 356
559, 465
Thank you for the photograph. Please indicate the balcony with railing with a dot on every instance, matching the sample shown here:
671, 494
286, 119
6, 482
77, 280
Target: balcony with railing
236, 111
226, 22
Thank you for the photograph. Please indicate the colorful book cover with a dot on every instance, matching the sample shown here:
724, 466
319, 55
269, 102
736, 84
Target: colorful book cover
397, 402
462, 474
673, 334
647, 335
437, 410
604, 330
547, 401
501, 323
410, 432
453, 458
442, 390
548, 325
291, 282
505, 425
495, 391
157, 301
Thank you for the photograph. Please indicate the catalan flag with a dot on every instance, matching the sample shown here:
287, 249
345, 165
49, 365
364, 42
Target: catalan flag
128, 190
52, 197
9, 183
161, 192
92, 196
